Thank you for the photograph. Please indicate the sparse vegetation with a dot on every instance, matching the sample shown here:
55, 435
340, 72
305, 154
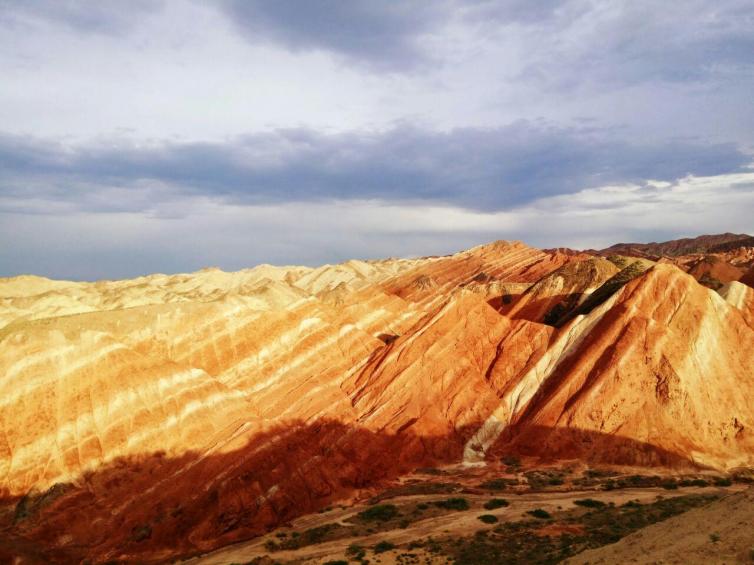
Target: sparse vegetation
383, 546
589, 503
539, 513
379, 512
487, 518
497, 484
542, 479
453, 504
355, 551
494, 503
311, 536
523, 542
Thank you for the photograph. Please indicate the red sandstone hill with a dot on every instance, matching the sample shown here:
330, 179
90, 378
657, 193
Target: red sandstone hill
674, 248
149, 419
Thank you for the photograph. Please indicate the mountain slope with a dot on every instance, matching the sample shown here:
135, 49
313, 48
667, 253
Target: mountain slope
182, 413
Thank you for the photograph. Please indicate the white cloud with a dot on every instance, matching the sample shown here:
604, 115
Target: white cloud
206, 232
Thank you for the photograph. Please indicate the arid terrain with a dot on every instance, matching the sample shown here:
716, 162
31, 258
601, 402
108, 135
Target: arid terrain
375, 410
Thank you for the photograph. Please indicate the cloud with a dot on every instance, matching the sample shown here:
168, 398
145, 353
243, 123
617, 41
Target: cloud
91, 244
559, 42
103, 16
384, 35
471, 168
613, 44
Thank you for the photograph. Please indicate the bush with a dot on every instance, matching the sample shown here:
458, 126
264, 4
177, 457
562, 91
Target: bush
429, 471
495, 503
511, 461
669, 485
487, 518
694, 483
453, 504
356, 551
723, 482
494, 484
589, 503
379, 513
383, 546
539, 513
336, 562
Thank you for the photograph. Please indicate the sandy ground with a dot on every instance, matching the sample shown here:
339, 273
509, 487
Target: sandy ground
721, 532
463, 523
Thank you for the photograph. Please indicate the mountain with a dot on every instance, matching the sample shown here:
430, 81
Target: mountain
181, 413
674, 248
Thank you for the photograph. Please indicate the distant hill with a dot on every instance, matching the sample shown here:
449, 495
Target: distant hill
703, 244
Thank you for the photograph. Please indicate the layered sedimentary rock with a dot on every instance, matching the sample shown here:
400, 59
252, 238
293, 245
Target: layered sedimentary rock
178, 413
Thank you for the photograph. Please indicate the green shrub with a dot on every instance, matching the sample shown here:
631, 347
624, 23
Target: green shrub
487, 518
453, 504
356, 551
494, 484
669, 484
270, 545
589, 503
539, 513
693, 483
383, 546
379, 513
336, 562
494, 503
723, 482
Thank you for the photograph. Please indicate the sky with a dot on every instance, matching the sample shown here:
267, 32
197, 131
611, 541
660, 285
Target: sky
167, 136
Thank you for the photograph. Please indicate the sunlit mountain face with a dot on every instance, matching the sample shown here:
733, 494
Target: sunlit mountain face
182, 413
391, 282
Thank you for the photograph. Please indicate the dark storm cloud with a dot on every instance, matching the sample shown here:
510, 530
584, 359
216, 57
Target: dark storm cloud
481, 169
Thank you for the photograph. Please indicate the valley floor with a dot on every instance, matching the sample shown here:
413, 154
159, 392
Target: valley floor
434, 517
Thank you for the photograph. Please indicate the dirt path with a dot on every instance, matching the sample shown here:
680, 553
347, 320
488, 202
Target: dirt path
459, 523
